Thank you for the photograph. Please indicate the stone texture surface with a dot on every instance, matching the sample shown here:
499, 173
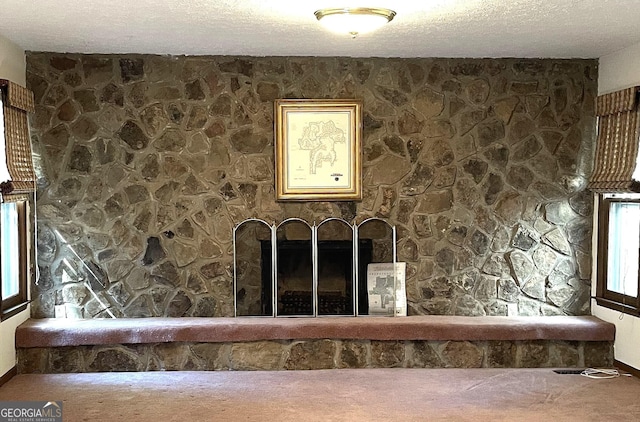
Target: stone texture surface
316, 354
146, 163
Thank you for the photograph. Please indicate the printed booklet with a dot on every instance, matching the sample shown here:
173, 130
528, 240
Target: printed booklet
380, 286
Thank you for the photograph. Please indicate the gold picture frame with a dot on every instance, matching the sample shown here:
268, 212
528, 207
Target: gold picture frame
318, 150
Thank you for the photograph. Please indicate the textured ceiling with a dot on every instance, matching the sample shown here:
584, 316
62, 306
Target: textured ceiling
422, 28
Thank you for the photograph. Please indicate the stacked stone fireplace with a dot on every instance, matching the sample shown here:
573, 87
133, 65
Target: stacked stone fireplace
147, 163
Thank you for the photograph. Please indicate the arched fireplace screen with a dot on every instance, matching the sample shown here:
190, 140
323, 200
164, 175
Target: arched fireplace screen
297, 269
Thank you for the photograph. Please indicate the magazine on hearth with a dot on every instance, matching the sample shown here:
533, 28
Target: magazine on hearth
381, 279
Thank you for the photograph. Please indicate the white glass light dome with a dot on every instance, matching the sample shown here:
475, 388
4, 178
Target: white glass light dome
354, 21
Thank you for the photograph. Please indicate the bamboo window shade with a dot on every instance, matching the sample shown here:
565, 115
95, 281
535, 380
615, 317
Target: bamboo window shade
17, 176
616, 166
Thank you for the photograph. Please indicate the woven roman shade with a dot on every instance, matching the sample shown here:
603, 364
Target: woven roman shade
616, 163
17, 176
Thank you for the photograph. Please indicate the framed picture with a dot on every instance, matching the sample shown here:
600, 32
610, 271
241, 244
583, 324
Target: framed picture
318, 150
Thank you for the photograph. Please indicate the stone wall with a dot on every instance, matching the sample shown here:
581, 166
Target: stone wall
316, 354
146, 163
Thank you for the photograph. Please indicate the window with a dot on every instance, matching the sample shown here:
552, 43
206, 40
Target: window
619, 252
13, 257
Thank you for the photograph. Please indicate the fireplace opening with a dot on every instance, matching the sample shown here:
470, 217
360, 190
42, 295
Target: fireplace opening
289, 289
295, 277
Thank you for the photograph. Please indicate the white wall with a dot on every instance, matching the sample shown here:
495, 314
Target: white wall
12, 67
12, 62
620, 70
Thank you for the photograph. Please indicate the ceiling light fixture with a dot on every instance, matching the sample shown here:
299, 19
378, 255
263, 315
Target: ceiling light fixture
354, 21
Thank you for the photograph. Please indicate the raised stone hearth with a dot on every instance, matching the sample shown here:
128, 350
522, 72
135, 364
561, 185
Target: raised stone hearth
56, 346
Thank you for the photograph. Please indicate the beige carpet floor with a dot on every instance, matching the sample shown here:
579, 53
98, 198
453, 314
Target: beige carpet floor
334, 395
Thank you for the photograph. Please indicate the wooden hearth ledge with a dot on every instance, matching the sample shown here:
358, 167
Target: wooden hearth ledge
68, 332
